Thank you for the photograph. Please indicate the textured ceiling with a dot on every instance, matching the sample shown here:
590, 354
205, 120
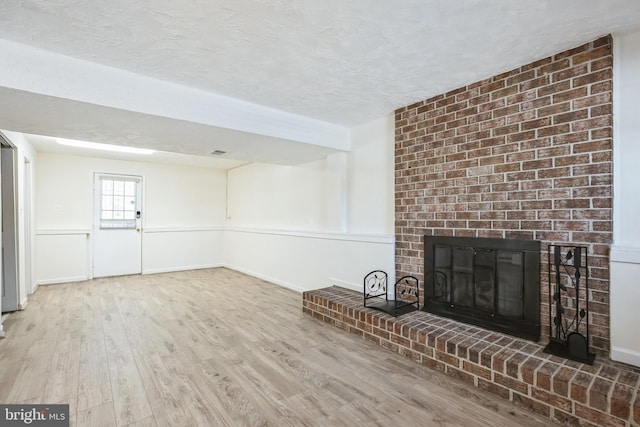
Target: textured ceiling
342, 62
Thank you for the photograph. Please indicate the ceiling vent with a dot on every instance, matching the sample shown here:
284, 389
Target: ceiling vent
218, 152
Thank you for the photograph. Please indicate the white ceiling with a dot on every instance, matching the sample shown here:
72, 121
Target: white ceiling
309, 69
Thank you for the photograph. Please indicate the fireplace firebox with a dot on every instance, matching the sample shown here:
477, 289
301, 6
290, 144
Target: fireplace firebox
491, 283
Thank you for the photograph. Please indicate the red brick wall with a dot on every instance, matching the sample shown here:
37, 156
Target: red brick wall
525, 154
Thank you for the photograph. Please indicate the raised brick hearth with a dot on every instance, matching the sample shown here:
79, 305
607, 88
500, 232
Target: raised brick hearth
605, 394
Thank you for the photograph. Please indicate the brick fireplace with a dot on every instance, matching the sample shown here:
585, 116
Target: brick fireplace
523, 155
526, 154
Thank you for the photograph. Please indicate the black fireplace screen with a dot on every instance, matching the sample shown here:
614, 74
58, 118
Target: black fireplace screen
493, 283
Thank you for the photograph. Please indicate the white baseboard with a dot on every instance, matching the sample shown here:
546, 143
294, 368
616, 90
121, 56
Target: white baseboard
185, 268
23, 305
60, 280
625, 355
267, 278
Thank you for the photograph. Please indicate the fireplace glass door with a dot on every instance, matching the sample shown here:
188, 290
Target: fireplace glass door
489, 282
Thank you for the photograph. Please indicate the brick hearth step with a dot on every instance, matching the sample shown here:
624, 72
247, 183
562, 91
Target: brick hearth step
603, 394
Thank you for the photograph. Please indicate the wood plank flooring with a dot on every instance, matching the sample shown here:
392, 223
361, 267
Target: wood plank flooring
218, 348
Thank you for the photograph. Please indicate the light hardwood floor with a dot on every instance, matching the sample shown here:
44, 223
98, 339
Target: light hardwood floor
218, 348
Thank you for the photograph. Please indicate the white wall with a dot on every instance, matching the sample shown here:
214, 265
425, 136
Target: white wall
183, 248
625, 252
371, 177
304, 260
304, 227
280, 197
317, 224
183, 215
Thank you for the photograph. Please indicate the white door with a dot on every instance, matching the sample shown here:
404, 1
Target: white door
117, 225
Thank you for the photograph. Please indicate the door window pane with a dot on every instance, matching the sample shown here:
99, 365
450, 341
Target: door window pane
118, 202
107, 203
130, 188
107, 186
129, 203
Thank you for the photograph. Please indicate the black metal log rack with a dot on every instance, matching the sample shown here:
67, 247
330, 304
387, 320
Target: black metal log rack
569, 303
406, 293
